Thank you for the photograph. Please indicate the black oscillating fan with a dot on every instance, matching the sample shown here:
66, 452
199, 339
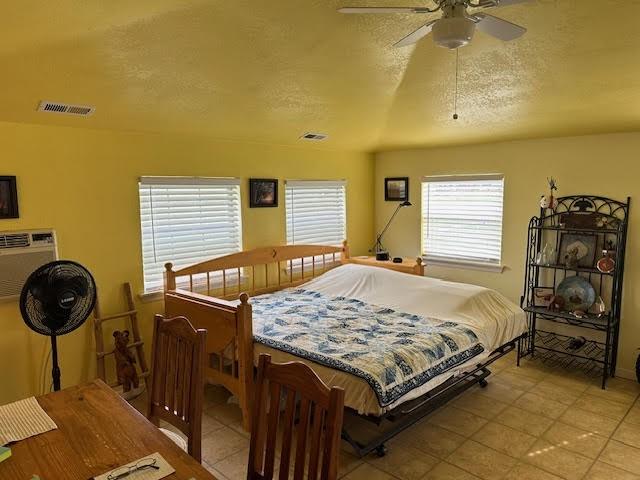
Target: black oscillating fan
56, 299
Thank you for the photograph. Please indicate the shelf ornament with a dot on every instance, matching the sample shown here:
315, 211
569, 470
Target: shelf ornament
550, 201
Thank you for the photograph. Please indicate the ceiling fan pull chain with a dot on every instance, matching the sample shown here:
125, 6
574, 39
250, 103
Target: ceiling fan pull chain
455, 98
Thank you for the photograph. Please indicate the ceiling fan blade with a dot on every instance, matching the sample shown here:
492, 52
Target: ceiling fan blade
413, 37
383, 10
499, 28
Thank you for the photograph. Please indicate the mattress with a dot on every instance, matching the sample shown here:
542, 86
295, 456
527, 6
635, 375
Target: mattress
494, 319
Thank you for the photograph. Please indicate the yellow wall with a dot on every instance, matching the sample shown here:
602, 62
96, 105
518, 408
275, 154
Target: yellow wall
83, 183
604, 165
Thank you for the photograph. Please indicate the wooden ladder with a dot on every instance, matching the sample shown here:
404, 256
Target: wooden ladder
137, 343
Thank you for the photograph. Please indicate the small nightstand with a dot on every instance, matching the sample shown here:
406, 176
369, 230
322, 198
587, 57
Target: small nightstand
413, 266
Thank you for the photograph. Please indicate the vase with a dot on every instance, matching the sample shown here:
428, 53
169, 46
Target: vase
547, 255
599, 307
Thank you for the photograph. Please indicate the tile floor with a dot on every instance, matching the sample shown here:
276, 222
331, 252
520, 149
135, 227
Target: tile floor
530, 423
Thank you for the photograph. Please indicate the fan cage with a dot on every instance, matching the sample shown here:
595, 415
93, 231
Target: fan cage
39, 299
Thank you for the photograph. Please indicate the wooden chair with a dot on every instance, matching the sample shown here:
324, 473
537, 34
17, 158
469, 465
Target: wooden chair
177, 380
319, 417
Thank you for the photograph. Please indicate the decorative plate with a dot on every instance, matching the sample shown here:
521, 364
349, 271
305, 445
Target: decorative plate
578, 294
606, 264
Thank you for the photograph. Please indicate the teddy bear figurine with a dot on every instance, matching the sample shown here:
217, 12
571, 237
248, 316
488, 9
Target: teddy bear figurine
125, 369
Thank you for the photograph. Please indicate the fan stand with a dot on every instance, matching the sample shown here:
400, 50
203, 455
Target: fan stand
55, 370
57, 298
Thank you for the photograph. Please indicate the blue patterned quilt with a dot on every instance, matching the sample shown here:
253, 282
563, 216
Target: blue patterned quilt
394, 352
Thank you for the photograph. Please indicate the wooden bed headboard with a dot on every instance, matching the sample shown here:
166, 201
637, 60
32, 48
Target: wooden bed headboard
255, 272
202, 293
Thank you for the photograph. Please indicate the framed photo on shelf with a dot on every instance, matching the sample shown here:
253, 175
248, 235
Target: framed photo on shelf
8, 197
588, 220
582, 246
396, 189
263, 192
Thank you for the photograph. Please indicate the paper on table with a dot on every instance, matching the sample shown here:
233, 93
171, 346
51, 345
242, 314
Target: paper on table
146, 474
23, 419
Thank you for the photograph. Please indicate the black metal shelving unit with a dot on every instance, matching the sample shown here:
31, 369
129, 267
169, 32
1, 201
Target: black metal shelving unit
545, 338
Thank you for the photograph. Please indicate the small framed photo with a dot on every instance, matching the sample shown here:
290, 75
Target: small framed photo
581, 247
589, 220
8, 197
263, 192
396, 189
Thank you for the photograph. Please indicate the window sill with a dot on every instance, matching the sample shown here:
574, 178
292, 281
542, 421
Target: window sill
151, 297
466, 265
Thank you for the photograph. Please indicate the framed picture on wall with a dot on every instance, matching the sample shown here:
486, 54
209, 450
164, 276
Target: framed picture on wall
8, 197
263, 192
396, 189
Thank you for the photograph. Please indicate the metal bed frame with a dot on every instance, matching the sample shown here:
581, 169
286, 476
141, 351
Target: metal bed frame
405, 415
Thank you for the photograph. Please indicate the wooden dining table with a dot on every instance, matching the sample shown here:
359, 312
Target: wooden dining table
97, 432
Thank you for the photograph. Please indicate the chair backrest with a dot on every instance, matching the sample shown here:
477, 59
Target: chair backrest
177, 378
312, 419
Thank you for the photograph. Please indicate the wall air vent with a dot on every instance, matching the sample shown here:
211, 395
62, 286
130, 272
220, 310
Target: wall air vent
14, 240
313, 136
56, 107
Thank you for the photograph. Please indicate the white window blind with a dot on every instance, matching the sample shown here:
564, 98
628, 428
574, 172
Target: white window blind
187, 220
462, 218
316, 212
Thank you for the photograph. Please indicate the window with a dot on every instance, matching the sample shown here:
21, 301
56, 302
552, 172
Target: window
186, 220
316, 212
462, 219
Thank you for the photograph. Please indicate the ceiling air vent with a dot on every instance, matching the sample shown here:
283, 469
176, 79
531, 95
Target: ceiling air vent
56, 107
313, 136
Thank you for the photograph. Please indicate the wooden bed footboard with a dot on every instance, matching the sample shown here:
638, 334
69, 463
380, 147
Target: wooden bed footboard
229, 348
190, 291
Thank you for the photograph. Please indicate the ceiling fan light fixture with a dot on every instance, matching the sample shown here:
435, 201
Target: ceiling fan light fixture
453, 32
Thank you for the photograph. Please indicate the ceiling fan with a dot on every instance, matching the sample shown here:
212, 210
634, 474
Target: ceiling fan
456, 27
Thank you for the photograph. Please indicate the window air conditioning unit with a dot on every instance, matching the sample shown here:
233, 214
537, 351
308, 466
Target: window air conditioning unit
20, 254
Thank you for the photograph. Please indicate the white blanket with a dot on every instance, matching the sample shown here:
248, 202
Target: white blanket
493, 318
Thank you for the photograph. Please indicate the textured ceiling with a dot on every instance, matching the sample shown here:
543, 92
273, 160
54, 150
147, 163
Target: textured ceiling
268, 71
